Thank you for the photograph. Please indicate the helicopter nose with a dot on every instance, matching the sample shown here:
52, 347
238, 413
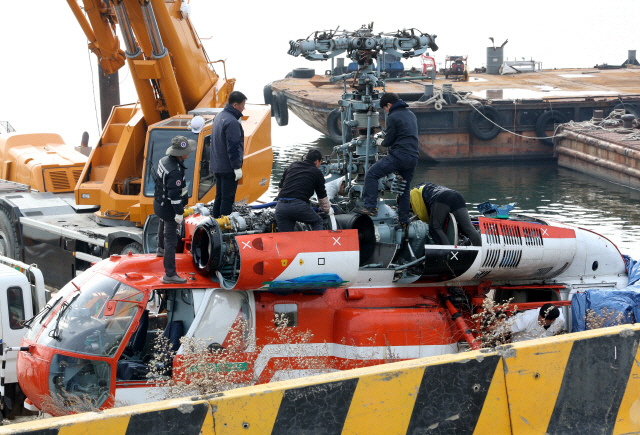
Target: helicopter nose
32, 371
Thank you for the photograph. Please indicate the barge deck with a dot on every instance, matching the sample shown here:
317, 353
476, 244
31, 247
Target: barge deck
517, 104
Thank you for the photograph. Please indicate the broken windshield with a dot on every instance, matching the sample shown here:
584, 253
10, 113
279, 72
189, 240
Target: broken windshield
82, 326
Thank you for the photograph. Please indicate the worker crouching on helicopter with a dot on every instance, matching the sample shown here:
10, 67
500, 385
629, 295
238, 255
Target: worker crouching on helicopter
433, 203
171, 195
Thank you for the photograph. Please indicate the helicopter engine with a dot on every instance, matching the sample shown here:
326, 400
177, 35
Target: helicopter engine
243, 252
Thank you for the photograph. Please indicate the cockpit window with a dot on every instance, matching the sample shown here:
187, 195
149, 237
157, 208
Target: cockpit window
78, 381
80, 325
225, 310
34, 324
160, 140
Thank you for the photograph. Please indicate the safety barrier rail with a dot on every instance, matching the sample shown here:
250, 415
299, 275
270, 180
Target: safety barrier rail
587, 382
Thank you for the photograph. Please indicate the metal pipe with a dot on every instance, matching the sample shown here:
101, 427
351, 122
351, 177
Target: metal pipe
133, 50
158, 49
618, 149
402, 79
414, 262
599, 162
342, 127
86, 27
459, 321
366, 162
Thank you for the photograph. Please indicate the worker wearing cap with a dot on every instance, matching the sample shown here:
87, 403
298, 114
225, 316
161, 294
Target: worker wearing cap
530, 324
227, 151
171, 195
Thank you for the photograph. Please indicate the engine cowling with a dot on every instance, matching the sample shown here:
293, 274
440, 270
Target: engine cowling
295, 261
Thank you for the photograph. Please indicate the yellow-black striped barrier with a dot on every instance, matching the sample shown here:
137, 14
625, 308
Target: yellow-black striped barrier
584, 383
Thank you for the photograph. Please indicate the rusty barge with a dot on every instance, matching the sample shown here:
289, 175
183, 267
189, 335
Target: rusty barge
527, 104
608, 148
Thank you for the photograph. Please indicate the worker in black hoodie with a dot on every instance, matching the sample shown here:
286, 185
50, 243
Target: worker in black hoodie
401, 137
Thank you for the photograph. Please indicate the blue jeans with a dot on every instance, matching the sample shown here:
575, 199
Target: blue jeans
226, 186
404, 165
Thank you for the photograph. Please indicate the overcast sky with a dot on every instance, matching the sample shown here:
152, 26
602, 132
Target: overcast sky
46, 72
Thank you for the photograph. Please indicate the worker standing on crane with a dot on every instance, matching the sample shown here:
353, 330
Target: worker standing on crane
227, 150
401, 137
171, 195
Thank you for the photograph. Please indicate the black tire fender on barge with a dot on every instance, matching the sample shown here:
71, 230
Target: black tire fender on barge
268, 96
543, 120
476, 120
280, 109
303, 73
334, 126
629, 108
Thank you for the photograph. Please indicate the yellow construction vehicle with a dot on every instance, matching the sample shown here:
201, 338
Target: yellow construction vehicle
113, 196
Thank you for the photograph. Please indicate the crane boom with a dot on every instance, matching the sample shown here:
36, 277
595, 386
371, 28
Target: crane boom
172, 75
100, 31
169, 65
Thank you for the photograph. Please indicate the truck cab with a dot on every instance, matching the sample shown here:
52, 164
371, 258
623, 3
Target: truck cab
22, 295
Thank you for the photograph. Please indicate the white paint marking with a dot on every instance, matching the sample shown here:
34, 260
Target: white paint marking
544, 232
246, 245
454, 255
336, 241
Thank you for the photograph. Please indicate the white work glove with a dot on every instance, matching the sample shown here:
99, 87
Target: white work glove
178, 218
238, 173
379, 141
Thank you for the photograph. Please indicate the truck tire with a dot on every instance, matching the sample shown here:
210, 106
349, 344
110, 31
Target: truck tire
543, 120
280, 109
303, 73
133, 247
335, 129
476, 121
8, 238
268, 96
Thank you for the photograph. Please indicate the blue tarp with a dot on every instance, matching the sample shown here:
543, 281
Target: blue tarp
625, 301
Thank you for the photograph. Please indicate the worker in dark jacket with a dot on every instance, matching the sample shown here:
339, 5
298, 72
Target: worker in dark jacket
401, 137
299, 181
171, 195
227, 151
433, 203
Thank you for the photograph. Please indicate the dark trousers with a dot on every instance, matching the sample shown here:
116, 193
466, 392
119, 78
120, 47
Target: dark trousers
439, 214
290, 212
168, 240
226, 186
404, 165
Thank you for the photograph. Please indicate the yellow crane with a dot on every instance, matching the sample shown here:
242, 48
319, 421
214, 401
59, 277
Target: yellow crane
173, 76
101, 202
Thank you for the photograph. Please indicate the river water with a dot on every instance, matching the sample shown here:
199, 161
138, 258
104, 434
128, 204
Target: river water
539, 188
